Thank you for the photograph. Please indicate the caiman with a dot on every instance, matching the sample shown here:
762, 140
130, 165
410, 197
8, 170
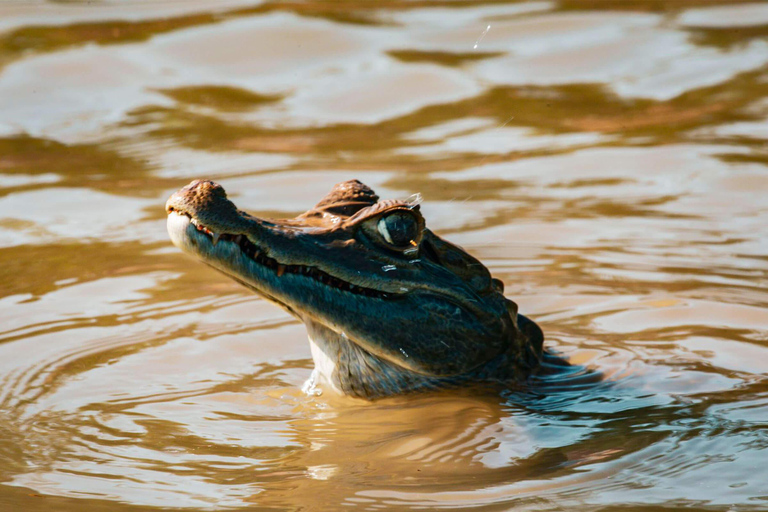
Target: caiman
389, 306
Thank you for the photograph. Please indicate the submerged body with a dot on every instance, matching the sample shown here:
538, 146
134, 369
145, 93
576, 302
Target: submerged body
389, 306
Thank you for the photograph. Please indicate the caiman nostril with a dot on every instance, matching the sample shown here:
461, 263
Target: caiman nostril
206, 201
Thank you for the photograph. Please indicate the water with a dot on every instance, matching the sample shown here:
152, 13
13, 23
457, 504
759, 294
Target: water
607, 160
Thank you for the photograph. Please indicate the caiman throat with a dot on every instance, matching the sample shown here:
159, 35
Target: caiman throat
389, 306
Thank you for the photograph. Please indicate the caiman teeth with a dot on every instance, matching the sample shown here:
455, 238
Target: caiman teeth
252, 251
205, 230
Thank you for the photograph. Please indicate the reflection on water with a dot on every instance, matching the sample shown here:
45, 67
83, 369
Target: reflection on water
606, 159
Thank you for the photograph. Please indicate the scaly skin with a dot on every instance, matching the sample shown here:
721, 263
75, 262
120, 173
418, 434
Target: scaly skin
389, 306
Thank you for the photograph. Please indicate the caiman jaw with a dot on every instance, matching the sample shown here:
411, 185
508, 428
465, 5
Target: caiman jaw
177, 225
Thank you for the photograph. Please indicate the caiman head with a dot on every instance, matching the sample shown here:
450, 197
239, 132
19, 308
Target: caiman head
389, 306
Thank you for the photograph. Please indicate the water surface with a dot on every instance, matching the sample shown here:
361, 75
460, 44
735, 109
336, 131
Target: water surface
606, 159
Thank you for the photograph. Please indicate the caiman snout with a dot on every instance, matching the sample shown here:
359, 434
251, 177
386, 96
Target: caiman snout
198, 195
207, 203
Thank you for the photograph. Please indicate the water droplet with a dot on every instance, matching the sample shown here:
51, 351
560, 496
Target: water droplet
481, 36
310, 386
414, 200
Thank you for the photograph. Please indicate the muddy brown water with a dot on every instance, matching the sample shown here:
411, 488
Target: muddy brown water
606, 159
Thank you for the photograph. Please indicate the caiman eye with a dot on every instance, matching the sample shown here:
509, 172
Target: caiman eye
399, 229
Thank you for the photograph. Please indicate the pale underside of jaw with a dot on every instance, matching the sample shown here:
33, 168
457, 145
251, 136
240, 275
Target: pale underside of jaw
322, 374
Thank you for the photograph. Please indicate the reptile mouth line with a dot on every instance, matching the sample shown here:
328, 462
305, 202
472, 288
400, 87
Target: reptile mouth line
256, 255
